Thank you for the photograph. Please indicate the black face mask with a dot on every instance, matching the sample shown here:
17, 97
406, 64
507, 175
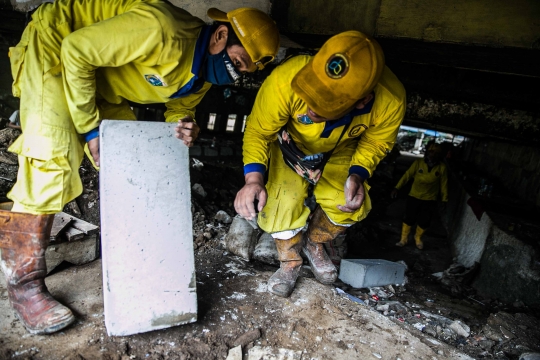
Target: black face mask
220, 70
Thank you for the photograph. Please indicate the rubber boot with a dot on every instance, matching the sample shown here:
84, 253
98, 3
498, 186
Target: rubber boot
23, 240
405, 230
320, 231
283, 281
418, 237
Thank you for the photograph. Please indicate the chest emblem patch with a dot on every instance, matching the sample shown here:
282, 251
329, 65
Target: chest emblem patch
421, 171
155, 80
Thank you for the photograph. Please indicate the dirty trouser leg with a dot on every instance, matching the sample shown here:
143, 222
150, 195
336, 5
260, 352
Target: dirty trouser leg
49, 149
284, 209
330, 223
50, 152
284, 216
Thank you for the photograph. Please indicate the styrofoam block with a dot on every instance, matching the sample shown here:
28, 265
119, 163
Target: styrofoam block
362, 273
146, 228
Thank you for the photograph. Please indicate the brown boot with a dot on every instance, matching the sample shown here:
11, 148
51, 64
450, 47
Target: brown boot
283, 281
321, 230
23, 240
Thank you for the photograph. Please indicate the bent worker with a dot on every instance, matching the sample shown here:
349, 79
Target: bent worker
325, 120
81, 61
430, 180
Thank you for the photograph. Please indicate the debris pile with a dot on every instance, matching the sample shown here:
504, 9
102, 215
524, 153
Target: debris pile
457, 278
214, 188
504, 336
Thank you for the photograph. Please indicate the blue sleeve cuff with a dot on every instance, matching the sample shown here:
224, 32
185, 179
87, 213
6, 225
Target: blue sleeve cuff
254, 167
92, 134
360, 171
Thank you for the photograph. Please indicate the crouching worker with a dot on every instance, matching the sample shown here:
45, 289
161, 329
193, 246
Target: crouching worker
81, 61
325, 120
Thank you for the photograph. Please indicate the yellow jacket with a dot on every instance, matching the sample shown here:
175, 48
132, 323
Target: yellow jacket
427, 184
110, 48
372, 134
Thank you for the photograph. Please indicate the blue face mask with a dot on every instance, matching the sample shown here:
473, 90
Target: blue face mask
219, 69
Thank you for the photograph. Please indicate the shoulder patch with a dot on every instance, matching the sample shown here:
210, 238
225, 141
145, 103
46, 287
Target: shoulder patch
155, 80
357, 130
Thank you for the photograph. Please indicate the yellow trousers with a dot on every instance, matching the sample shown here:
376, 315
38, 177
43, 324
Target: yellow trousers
285, 209
50, 151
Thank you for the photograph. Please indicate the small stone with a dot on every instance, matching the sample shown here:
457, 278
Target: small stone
486, 344
223, 217
199, 238
235, 353
198, 189
507, 334
430, 330
460, 328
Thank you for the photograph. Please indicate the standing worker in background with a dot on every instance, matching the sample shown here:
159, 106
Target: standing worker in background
80, 61
430, 179
325, 120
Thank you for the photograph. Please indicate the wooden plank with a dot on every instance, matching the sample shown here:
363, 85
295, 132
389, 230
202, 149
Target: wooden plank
60, 222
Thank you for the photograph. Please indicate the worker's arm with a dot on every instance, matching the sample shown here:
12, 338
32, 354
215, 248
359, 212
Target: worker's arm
182, 110
409, 174
411, 171
134, 36
184, 107
271, 111
377, 141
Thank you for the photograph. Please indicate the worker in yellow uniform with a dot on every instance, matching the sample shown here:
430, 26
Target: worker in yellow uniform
430, 180
81, 61
325, 120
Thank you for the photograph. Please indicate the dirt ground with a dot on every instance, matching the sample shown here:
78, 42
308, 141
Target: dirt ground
414, 321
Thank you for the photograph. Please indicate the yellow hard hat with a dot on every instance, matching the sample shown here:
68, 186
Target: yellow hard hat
257, 32
345, 70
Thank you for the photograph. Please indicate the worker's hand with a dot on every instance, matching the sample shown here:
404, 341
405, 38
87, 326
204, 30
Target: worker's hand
187, 130
394, 194
93, 146
354, 194
254, 189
